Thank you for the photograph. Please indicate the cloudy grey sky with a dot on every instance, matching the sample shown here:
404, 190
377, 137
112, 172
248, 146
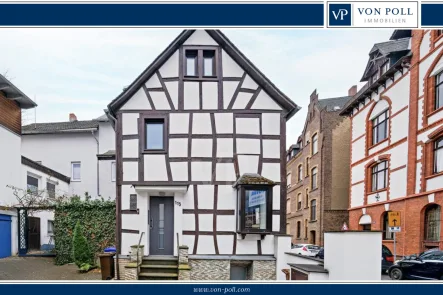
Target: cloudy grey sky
82, 70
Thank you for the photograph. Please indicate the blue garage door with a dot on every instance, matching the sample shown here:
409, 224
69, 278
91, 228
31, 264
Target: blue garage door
5, 236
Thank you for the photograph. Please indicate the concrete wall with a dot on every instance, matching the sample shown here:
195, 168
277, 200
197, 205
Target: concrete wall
345, 250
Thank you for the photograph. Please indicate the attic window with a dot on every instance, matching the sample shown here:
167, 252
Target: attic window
384, 68
200, 63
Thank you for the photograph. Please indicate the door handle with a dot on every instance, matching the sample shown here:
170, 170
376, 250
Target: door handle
151, 225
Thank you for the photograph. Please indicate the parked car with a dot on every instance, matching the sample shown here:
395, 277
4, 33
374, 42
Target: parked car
321, 253
387, 259
426, 266
305, 249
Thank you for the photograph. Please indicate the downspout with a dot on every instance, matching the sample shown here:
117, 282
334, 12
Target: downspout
322, 180
98, 166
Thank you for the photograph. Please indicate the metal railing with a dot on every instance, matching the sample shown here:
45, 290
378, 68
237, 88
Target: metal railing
138, 246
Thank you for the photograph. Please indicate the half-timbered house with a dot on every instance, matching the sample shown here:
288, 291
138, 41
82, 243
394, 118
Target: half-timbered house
200, 151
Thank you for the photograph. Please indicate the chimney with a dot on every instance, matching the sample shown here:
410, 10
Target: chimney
352, 91
72, 117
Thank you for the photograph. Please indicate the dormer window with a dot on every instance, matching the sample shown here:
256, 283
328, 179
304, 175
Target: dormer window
254, 204
375, 77
384, 68
200, 63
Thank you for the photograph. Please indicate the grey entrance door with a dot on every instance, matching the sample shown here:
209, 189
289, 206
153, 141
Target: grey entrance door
161, 223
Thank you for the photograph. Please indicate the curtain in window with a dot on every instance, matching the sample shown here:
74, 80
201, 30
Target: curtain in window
432, 223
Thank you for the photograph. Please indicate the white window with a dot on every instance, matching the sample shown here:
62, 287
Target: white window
113, 171
50, 226
76, 171
288, 179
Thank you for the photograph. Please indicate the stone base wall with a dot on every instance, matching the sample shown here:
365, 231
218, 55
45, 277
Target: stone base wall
220, 269
263, 270
127, 272
208, 269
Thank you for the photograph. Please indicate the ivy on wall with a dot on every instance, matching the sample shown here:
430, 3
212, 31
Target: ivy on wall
97, 218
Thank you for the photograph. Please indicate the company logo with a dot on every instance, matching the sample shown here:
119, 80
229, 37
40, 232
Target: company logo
371, 14
340, 14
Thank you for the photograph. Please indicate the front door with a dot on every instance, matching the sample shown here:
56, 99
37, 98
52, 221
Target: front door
161, 224
33, 233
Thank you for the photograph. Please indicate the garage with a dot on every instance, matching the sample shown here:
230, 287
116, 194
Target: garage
5, 236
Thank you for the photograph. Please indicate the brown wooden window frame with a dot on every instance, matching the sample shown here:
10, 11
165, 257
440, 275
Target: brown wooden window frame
201, 51
242, 212
143, 122
374, 173
376, 124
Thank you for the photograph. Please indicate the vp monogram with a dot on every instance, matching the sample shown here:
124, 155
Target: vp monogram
341, 13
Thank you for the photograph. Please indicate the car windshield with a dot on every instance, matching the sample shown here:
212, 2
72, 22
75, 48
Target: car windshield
313, 247
296, 246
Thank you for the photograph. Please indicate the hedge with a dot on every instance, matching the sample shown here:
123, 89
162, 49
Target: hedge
97, 218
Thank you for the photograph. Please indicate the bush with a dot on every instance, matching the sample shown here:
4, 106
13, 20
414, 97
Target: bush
80, 249
97, 219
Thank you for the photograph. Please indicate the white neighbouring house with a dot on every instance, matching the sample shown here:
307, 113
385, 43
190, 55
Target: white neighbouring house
200, 139
82, 150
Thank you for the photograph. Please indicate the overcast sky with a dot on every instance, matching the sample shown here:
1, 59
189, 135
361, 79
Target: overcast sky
82, 70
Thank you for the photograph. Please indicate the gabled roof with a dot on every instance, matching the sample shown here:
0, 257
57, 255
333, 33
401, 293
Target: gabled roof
333, 104
391, 46
60, 127
285, 102
39, 167
253, 178
13, 93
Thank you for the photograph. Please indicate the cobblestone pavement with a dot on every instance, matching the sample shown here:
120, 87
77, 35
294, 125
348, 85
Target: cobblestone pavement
41, 268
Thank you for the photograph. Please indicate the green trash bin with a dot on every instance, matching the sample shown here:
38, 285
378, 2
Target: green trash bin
107, 265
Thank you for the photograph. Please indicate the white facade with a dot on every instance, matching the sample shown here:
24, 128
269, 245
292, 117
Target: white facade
216, 131
77, 146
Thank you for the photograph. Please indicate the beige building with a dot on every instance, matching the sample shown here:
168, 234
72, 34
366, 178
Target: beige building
318, 172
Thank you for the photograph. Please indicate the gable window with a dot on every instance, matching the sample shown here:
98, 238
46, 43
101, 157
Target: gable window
200, 63
380, 127
384, 68
76, 171
209, 63
50, 187
299, 201
313, 210
32, 184
438, 155
314, 178
155, 136
113, 172
439, 91
379, 176
300, 172
314, 144
191, 63
255, 208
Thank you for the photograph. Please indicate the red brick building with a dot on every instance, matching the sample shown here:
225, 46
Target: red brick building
397, 141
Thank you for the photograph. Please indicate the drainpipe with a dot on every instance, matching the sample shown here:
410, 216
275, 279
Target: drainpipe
98, 166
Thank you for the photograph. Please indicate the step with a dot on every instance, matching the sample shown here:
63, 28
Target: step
163, 268
160, 260
158, 276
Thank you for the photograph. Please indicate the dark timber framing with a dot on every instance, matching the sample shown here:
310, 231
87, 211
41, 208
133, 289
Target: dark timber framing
225, 47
